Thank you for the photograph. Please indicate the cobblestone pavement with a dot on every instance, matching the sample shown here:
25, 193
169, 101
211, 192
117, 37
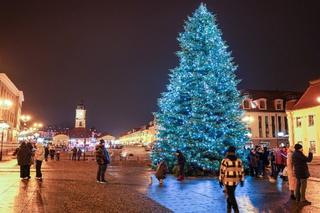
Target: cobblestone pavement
70, 187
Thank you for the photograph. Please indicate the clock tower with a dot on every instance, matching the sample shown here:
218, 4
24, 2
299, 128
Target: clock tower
80, 116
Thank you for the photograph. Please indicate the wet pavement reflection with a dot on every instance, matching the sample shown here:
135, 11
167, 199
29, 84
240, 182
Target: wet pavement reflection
70, 187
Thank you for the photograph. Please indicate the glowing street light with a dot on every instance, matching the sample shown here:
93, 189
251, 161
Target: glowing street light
318, 99
37, 125
25, 118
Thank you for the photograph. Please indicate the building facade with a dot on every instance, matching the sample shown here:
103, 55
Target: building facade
11, 99
144, 135
80, 136
265, 116
304, 119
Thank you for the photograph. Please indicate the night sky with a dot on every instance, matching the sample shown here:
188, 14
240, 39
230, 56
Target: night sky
116, 55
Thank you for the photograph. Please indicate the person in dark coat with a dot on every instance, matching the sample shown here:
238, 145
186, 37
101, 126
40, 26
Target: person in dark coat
299, 161
102, 159
46, 153
24, 160
181, 163
31, 147
79, 152
74, 153
253, 163
161, 171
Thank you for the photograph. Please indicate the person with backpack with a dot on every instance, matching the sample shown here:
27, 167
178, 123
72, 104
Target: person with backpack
231, 174
102, 159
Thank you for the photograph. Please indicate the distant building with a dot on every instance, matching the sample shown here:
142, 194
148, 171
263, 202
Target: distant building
108, 138
304, 119
11, 99
265, 116
144, 135
80, 136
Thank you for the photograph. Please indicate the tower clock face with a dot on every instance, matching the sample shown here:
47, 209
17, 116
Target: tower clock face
80, 114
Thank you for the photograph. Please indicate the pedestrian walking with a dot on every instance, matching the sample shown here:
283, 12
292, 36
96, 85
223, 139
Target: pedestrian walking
58, 154
181, 164
24, 160
231, 174
74, 153
30, 146
102, 159
161, 171
79, 152
52, 152
291, 175
301, 169
46, 153
39, 157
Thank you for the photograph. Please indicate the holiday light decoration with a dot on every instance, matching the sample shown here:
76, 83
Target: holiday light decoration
200, 113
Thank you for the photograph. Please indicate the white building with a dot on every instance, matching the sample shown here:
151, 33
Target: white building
304, 119
266, 117
11, 99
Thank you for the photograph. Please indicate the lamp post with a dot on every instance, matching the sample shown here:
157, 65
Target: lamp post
25, 119
3, 126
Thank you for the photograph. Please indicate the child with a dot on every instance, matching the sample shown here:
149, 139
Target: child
161, 172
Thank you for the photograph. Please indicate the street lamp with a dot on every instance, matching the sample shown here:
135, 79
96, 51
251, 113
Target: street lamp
3, 126
37, 125
25, 119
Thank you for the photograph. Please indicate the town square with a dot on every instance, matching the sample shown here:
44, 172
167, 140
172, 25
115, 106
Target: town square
159, 106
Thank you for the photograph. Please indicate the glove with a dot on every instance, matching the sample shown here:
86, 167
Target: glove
241, 183
220, 184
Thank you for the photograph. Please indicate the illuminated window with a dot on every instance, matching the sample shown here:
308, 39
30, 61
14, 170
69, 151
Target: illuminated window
263, 104
313, 146
260, 126
311, 120
279, 104
298, 121
267, 126
246, 104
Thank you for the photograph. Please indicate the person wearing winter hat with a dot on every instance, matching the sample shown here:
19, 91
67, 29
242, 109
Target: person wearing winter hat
299, 161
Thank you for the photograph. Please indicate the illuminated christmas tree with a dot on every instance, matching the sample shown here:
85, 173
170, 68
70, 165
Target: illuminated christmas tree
200, 113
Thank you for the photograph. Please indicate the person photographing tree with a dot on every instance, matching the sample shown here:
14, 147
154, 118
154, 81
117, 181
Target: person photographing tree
231, 174
299, 161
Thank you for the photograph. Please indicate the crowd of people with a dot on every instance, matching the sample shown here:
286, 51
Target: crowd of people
261, 160
290, 164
